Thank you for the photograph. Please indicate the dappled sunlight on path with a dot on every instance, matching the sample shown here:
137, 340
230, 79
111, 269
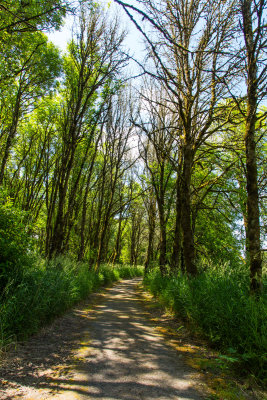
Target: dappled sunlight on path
120, 356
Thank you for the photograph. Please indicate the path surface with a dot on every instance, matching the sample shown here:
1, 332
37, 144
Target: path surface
110, 352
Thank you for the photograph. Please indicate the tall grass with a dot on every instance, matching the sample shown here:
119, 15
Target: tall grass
218, 304
48, 290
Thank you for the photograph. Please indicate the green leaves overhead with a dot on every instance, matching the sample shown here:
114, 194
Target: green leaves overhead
19, 16
30, 55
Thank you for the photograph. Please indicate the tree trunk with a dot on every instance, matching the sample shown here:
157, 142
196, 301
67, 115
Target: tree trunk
151, 226
253, 223
57, 239
163, 241
11, 135
117, 250
188, 239
253, 220
176, 253
103, 233
83, 220
58, 233
133, 240
101, 244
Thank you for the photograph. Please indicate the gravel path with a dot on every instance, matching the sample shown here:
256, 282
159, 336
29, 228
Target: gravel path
110, 352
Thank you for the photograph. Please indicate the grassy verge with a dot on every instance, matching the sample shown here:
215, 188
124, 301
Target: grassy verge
218, 305
47, 291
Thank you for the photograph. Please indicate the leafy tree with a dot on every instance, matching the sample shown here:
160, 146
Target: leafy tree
39, 65
15, 242
94, 58
253, 28
29, 16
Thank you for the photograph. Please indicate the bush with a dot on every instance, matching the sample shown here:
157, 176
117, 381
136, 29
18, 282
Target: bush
218, 303
15, 243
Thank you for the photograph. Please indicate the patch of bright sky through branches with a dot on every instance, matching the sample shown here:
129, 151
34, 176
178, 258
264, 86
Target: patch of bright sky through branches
134, 42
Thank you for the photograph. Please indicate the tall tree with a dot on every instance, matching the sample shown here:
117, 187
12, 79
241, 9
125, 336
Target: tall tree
150, 205
94, 59
187, 48
39, 66
254, 29
116, 162
156, 150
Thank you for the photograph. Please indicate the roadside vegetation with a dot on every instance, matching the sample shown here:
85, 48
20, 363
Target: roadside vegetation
216, 304
46, 290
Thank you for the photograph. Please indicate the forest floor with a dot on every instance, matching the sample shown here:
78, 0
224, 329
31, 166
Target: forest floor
118, 345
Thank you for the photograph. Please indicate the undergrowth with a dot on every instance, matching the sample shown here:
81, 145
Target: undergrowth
217, 304
49, 289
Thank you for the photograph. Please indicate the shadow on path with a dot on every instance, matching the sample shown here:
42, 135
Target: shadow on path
110, 352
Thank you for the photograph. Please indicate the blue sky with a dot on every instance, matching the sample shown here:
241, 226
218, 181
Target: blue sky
133, 40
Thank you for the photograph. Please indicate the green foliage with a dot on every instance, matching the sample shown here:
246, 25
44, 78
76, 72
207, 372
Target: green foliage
19, 16
15, 242
218, 304
216, 240
49, 289
30, 61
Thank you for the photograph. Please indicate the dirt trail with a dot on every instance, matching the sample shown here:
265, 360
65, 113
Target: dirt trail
109, 351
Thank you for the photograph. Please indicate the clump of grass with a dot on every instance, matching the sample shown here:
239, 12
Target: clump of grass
49, 289
218, 304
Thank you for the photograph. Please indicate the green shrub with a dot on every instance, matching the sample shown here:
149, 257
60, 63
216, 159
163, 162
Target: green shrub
15, 243
218, 303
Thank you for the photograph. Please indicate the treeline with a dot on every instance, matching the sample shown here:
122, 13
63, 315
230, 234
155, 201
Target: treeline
170, 173
65, 136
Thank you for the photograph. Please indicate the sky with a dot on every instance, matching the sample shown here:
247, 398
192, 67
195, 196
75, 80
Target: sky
134, 40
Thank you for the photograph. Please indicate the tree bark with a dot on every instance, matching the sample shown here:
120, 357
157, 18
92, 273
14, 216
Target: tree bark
163, 241
11, 135
57, 239
151, 226
176, 252
253, 220
117, 250
188, 238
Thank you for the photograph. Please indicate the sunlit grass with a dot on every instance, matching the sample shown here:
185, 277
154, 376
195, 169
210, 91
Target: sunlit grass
217, 304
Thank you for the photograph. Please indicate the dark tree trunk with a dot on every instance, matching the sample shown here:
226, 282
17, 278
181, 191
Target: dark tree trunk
57, 240
58, 232
11, 135
101, 244
176, 252
163, 241
253, 220
117, 250
182, 261
105, 225
133, 241
83, 221
151, 233
135, 237
188, 238
50, 206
